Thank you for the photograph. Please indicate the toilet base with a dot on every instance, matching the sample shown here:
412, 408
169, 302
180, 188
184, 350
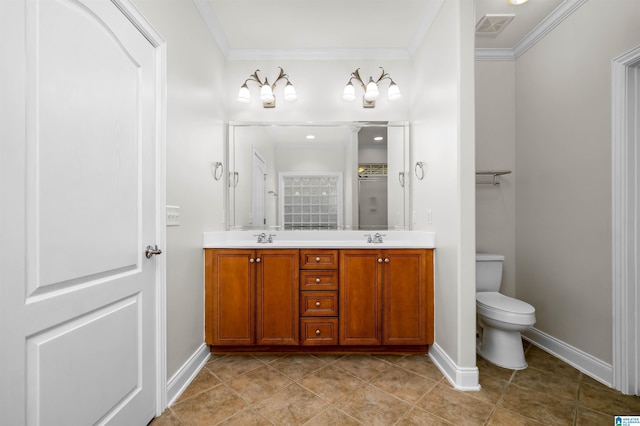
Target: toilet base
502, 348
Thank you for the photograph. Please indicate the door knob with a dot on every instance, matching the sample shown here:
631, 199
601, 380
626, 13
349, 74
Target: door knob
150, 251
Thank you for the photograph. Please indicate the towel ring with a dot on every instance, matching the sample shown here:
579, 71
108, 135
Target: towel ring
217, 170
419, 166
401, 178
234, 177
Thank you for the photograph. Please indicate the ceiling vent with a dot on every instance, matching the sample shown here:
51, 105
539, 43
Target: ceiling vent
492, 24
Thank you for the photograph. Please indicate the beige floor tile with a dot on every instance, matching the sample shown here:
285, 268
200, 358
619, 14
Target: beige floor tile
373, 406
599, 398
456, 407
331, 383
293, 405
402, 383
245, 418
418, 417
333, 417
166, 419
502, 417
364, 367
555, 384
541, 360
232, 366
203, 381
209, 407
493, 370
491, 388
585, 417
542, 407
259, 384
420, 364
297, 366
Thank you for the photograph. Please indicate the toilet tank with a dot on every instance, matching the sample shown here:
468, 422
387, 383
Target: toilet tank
488, 271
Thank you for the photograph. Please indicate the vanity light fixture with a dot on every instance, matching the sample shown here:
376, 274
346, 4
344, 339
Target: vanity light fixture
371, 89
517, 2
266, 90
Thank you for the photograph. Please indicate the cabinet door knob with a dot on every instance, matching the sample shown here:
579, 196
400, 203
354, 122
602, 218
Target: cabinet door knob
317, 259
258, 260
379, 260
317, 332
317, 280
318, 304
251, 260
385, 261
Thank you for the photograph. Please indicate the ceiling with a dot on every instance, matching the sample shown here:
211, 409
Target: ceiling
356, 29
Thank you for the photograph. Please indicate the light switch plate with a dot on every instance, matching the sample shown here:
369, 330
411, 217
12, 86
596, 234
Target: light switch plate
173, 216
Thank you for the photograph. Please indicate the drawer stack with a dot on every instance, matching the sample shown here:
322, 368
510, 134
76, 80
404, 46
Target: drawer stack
319, 297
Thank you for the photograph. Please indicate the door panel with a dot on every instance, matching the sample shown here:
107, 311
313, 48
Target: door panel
232, 297
360, 297
277, 310
78, 321
406, 297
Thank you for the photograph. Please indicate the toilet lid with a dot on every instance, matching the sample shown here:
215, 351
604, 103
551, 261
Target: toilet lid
495, 300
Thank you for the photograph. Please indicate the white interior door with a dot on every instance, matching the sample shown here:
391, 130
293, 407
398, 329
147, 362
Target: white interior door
258, 191
77, 208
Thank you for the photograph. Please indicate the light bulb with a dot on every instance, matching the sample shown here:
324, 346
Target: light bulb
517, 2
290, 92
394, 92
266, 94
244, 95
349, 92
372, 91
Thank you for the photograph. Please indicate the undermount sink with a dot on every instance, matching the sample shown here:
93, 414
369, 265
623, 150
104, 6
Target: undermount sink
319, 239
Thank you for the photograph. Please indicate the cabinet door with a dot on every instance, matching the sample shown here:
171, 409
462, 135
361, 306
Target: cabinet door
230, 303
360, 297
408, 297
277, 310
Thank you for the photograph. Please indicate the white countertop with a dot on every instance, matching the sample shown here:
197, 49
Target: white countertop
318, 239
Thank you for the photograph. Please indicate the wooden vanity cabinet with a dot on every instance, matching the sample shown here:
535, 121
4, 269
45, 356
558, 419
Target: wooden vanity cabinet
386, 297
251, 297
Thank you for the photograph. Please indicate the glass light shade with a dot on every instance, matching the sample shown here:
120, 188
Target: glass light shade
244, 95
372, 91
394, 92
349, 92
266, 94
290, 92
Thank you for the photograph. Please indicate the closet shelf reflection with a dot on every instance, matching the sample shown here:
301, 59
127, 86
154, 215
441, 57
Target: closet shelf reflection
492, 176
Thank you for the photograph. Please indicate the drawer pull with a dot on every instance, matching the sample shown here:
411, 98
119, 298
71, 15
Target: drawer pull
379, 260
317, 259
386, 260
317, 280
317, 332
258, 260
251, 260
318, 304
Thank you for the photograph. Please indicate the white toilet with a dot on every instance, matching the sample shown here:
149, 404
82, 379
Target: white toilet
501, 318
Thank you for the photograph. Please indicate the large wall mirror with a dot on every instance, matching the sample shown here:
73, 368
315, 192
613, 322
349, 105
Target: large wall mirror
292, 176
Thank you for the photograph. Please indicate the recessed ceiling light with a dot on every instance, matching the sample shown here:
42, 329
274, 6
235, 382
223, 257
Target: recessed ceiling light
378, 138
311, 137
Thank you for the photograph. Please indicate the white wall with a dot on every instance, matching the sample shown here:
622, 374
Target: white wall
563, 163
495, 150
194, 140
442, 133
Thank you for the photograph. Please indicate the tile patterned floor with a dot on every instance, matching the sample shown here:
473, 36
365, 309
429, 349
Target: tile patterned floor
315, 390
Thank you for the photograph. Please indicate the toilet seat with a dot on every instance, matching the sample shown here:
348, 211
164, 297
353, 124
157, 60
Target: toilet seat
499, 307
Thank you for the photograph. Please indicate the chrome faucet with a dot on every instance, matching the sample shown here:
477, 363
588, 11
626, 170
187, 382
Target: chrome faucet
377, 238
263, 238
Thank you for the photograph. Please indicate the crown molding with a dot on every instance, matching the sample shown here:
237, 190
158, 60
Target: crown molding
552, 20
213, 26
316, 54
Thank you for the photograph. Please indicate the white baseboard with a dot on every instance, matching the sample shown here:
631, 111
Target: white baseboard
183, 377
461, 378
588, 364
